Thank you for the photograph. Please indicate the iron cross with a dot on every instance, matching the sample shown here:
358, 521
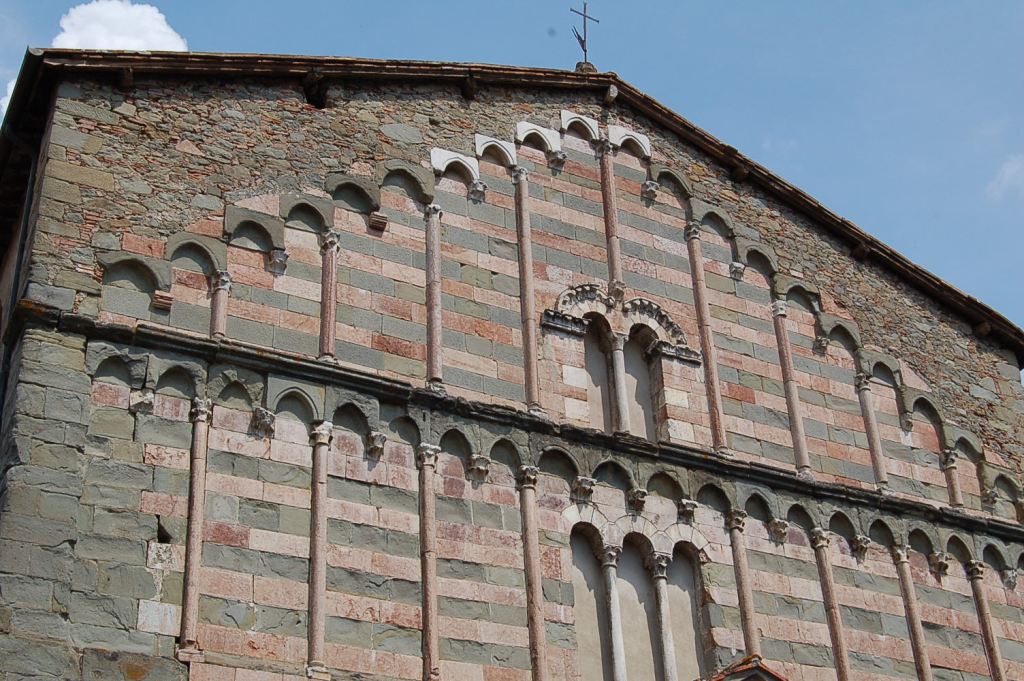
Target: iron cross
586, 17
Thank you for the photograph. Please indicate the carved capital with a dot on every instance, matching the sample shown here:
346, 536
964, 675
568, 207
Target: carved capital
938, 562
426, 456
906, 422
637, 497
821, 344
162, 300
609, 555
330, 241
975, 569
617, 290
583, 488
860, 545
1009, 577
900, 553
735, 519
375, 441
378, 221
277, 261
779, 308
322, 433
220, 280
778, 530
202, 409
820, 538
989, 495
479, 466
862, 381
527, 476
263, 422
556, 157
649, 189
604, 146
140, 401
477, 190
657, 563
520, 175
692, 231
736, 270
947, 459
687, 508
618, 341
432, 211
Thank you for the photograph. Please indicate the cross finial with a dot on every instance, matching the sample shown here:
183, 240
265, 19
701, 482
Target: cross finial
582, 39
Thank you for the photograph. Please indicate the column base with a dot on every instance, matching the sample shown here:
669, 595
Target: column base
805, 474
318, 672
537, 410
725, 452
327, 358
435, 385
189, 652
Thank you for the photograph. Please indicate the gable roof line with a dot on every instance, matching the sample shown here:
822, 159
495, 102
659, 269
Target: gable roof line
42, 68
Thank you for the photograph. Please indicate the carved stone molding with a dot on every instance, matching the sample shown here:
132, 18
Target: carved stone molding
140, 401
375, 441
479, 466
658, 564
263, 421
1009, 577
821, 344
989, 495
162, 300
692, 231
220, 281
330, 241
527, 476
637, 497
860, 545
584, 294
779, 308
520, 175
820, 538
426, 455
938, 562
322, 433
583, 488
609, 555
947, 459
778, 530
202, 409
862, 382
649, 190
687, 508
477, 190
565, 323
378, 221
735, 519
736, 270
899, 553
277, 261
975, 569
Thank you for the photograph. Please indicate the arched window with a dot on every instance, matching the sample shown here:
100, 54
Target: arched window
593, 657
596, 363
640, 383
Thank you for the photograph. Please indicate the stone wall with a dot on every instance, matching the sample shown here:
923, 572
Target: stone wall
182, 233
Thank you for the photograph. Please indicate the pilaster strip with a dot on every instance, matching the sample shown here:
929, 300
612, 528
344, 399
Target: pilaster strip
432, 217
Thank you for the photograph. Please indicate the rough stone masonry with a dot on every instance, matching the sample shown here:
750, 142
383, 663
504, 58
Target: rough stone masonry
337, 368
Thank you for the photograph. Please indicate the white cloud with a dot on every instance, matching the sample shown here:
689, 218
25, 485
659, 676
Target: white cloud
1009, 179
117, 25
112, 25
6, 99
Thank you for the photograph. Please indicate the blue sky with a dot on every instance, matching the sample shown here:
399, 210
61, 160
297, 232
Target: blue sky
905, 117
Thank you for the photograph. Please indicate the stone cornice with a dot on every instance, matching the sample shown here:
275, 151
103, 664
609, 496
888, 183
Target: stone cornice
42, 69
151, 336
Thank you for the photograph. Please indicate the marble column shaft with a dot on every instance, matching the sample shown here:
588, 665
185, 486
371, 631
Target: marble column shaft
918, 644
976, 575
329, 247
609, 557
434, 332
189, 649
751, 639
221, 290
819, 542
426, 461
320, 438
527, 302
792, 390
534, 572
867, 408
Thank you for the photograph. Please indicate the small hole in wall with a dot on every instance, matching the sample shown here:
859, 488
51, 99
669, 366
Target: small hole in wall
162, 535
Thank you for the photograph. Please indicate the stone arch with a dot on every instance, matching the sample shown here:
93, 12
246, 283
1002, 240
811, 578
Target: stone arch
576, 122
306, 213
417, 181
549, 139
405, 430
505, 152
712, 219
756, 256
162, 363
176, 381
650, 315
757, 508
559, 463
712, 496
881, 533
214, 250
230, 385
455, 443
799, 516
444, 162
664, 175
622, 137
351, 417
959, 549
994, 557
250, 229
114, 370
353, 193
921, 541
840, 525
613, 473
505, 453
664, 484
296, 403
841, 330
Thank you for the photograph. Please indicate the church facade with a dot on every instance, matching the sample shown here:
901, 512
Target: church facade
353, 369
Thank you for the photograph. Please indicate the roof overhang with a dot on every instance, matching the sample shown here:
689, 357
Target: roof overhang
43, 69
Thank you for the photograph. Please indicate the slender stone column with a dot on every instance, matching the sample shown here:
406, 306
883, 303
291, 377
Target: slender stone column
188, 648
918, 645
867, 408
426, 461
948, 463
796, 417
527, 302
658, 565
609, 558
976, 573
534, 574
316, 667
329, 247
220, 282
618, 343
611, 216
707, 340
735, 520
819, 542
433, 254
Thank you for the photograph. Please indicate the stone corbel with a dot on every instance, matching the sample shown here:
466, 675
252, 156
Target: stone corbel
583, 488
477, 190
263, 422
140, 401
821, 344
947, 459
375, 441
277, 261
1009, 577
736, 270
479, 467
859, 546
378, 221
649, 189
778, 530
565, 323
687, 508
938, 562
637, 497
162, 300
989, 495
